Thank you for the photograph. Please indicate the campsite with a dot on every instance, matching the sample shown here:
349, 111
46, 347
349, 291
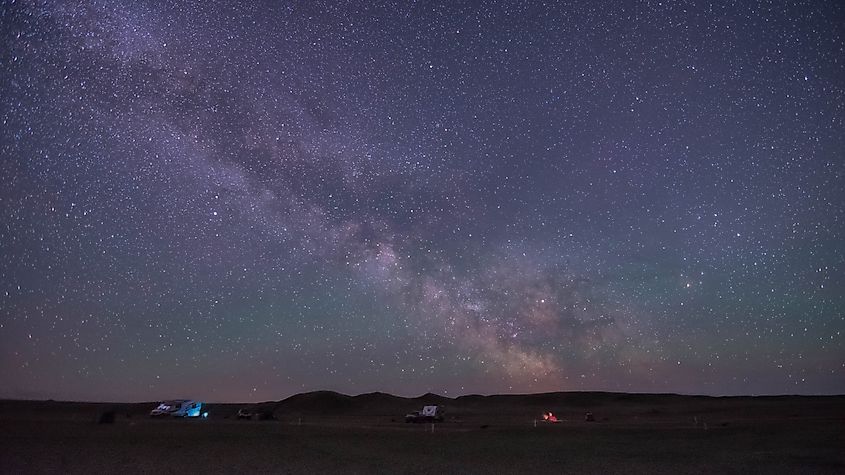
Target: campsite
327, 432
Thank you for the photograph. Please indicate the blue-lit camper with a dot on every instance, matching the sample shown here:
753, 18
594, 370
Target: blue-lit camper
179, 408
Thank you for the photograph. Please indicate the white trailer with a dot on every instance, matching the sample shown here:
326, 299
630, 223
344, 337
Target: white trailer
428, 414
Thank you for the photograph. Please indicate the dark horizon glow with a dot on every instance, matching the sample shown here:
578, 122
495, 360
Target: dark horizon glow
242, 202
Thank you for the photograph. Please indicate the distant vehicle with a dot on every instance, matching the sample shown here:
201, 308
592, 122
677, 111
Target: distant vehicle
428, 414
255, 413
179, 408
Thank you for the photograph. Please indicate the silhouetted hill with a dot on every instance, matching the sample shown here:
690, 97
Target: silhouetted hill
378, 398
317, 402
618, 407
332, 403
613, 406
433, 399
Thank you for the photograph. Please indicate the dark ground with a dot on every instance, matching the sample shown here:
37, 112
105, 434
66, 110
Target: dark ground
332, 433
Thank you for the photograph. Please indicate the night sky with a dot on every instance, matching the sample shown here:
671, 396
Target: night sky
239, 201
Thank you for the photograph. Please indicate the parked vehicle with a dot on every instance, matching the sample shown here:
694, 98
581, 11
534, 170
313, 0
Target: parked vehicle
256, 413
245, 413
179, 408
427, 414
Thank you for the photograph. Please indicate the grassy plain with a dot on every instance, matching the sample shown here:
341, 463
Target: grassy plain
332, 433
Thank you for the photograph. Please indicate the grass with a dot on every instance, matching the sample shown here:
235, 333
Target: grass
633, 434
351, 446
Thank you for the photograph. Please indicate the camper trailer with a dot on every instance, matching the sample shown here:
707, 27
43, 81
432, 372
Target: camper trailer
179, 408
428, 414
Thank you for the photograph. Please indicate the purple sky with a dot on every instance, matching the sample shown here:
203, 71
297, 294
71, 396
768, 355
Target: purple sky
241, 202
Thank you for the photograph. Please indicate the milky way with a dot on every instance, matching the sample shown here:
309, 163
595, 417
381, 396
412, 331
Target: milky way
241, 202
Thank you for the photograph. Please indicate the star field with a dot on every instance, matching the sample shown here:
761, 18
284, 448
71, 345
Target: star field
244, 201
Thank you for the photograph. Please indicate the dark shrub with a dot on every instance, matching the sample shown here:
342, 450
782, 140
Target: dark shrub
106, 418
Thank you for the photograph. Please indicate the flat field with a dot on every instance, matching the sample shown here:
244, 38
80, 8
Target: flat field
493, 434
